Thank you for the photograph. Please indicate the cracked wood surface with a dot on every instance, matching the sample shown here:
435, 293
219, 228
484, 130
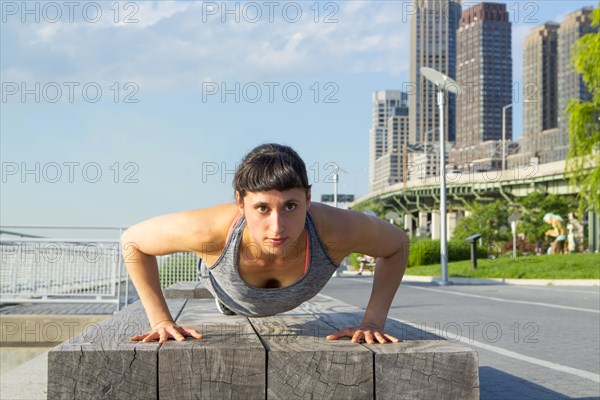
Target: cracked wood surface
228, 363
280, 357
422, 366
102, 362
303, 364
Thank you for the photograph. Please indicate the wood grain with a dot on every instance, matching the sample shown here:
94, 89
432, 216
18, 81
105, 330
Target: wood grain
421, 366
228, 363
102, 363
302, 364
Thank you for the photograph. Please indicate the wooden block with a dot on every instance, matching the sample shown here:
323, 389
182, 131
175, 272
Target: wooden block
425, 369
187, 290
201, 292
303, 364
102, 362
423, 365
340, 315
228, 363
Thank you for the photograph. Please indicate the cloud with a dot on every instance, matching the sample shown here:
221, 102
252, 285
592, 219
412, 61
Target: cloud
47, 32
151, 13
272, 57
175, 43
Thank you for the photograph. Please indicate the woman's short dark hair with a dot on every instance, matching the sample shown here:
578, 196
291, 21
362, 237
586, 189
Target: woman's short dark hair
270, 166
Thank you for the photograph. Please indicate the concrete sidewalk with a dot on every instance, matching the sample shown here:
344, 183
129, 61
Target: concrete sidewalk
25, 341
28, 381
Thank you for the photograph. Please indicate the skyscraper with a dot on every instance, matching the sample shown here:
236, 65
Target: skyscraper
432, 44
390, 168
386, 104
570, 83
550, 82
484, 69
540, 108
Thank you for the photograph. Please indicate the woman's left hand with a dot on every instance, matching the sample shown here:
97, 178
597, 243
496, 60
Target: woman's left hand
368, 332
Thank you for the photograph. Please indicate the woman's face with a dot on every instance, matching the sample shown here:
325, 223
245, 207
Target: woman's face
275, 219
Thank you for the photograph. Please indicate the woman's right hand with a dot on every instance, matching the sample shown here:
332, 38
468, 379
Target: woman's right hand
166, 330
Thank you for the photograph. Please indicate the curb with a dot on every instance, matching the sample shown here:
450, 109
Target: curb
48, 330
505, 281
493, 281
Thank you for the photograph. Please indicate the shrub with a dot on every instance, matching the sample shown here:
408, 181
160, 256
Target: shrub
427, 252
353, 260
523, 247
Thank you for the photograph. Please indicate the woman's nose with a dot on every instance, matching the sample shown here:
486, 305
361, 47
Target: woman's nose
276, 222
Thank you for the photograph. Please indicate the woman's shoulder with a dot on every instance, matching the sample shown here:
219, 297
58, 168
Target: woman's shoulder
331, 222
212, 223
194, 230
351, 231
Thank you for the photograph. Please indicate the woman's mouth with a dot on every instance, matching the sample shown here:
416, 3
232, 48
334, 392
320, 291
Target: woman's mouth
276, 241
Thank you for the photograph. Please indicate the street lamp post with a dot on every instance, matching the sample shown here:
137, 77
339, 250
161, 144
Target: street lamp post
443, 84
504, 135
335, 186
336, 179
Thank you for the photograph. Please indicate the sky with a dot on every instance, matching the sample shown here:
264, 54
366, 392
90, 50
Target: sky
115, 112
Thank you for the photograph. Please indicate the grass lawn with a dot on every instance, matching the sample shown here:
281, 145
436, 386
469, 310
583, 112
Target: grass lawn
563, 266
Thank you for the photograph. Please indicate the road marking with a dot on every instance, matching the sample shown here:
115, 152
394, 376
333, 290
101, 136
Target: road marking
557, 289
498, 350
534, 303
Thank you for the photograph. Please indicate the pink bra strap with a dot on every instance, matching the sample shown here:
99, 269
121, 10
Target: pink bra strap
307, 260
233, 225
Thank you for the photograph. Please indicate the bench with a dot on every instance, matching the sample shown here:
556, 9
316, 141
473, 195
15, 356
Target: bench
280, 357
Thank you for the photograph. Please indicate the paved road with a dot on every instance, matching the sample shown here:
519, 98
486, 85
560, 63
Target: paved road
534, 342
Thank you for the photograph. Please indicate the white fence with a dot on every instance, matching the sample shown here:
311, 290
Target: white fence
34, 269
61, 270
177, 267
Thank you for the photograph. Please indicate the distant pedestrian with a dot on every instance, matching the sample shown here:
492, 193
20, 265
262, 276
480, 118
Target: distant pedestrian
363, 262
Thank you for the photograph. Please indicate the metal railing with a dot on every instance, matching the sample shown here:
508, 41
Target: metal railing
177, 267
37, 269
61, 270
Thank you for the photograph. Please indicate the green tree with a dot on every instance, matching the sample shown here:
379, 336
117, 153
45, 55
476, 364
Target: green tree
534, 206
488, 219
376, 206
583, 160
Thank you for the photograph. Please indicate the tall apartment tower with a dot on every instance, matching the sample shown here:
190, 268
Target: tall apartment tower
386, 104
484, 69
390, 168
570, 83
432, 44
540, 74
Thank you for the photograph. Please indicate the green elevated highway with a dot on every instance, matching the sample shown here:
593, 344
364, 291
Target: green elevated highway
418, 199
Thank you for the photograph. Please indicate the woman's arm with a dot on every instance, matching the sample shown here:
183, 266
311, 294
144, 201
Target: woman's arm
190, 231
388, 275
360, 233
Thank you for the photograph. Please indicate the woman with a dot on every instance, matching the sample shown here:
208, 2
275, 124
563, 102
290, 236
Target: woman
267, 252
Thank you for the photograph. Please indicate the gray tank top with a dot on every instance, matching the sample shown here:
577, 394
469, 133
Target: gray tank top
225, 283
